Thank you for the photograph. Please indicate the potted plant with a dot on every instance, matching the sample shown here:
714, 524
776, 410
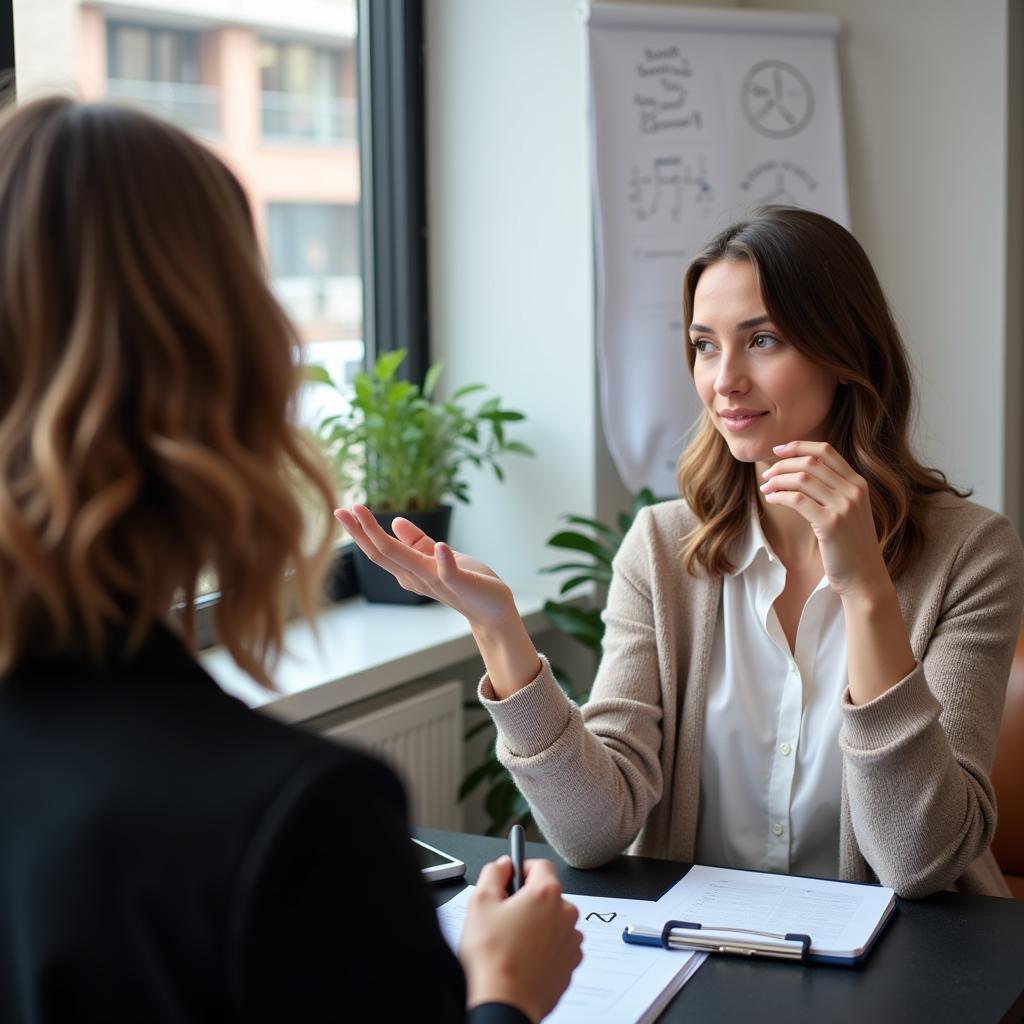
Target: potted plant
581, 619
403, 453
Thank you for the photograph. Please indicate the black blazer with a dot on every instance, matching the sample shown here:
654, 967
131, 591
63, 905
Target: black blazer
167, 855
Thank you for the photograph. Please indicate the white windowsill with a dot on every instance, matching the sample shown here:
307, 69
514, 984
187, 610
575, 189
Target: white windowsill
359, 650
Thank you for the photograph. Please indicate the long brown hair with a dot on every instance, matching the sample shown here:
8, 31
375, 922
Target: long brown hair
146, 390
820, 290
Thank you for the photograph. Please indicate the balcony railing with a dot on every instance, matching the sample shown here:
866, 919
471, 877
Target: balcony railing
307, 117
194, 107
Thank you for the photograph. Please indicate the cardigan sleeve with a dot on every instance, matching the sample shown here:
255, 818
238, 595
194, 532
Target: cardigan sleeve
917, 758
591, 775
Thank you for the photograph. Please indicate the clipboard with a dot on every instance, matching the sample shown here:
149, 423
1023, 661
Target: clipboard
766, 915
792, 946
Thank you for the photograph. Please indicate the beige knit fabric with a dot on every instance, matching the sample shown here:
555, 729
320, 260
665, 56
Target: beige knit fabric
918, 811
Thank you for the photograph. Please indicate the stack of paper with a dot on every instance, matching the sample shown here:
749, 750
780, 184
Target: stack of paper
615, 983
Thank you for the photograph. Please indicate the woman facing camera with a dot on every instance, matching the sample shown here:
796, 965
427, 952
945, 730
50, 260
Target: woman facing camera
805, 657
166, 854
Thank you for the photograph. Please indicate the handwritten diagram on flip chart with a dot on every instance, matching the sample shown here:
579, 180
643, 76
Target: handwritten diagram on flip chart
697, 117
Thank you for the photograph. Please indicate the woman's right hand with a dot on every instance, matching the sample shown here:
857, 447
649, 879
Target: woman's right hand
519, 949
432, 568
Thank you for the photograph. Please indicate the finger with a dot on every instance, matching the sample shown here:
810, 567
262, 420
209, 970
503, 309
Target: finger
806, 506
821, 450
494, 877
807, 464
452, 579
391, 548
448, 570
412, 570
852, 486
344, 517
412, 536
540, 872
357, 533
802, 481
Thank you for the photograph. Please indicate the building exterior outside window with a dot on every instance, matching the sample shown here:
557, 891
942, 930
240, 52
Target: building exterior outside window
271, 88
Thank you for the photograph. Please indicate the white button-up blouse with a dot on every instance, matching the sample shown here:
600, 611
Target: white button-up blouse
771, 768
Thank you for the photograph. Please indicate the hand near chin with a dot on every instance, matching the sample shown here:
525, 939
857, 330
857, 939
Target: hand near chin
427, 567
815, 481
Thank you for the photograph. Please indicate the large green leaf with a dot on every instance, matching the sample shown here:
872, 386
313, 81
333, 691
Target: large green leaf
597, 527
518, 448
430, 380
573, 582
583, 624
563, 566
573, 541
388, 364
398, 390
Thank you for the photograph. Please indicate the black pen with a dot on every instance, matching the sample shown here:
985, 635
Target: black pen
517, 841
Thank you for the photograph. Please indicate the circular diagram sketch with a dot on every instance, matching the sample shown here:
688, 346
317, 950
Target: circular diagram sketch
777, 99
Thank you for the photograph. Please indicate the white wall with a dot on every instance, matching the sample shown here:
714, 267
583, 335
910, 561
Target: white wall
925, 102
510, 252
929, 118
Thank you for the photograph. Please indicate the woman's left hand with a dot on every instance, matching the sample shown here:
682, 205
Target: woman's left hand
815, 481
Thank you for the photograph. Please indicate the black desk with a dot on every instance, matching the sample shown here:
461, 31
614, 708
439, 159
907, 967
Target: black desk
946, 958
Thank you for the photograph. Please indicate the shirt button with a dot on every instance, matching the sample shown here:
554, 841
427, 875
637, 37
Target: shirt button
793, 668
776, 829
785, 749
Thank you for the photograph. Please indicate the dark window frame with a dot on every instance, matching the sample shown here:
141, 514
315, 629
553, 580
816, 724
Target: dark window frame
393, 206
7, 42
394, 182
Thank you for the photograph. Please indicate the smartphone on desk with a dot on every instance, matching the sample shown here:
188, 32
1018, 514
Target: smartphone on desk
437, 865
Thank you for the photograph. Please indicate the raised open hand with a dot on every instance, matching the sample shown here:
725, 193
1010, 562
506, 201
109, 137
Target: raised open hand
431, 568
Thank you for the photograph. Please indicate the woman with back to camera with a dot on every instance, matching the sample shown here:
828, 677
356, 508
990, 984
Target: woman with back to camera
165, 853
804, 658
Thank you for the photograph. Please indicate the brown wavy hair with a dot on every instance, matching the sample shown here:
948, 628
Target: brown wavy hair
146, 393
820, 290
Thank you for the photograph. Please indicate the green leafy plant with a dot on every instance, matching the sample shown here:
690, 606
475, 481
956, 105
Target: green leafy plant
405, 452
592, 550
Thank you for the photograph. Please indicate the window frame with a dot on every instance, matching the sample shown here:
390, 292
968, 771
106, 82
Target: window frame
7, 55
393, 173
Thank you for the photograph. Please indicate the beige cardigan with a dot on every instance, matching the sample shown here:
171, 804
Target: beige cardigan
918, 811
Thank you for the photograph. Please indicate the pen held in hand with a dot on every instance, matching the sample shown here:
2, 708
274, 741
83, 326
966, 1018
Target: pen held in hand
517, 843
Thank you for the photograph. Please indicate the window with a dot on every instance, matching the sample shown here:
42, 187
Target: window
307, 93
338, 192
151, 54
314, 262
158, 69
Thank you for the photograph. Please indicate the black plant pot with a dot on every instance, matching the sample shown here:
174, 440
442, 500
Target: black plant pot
377, 584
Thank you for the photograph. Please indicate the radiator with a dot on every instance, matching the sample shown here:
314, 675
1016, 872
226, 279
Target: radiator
421, 738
